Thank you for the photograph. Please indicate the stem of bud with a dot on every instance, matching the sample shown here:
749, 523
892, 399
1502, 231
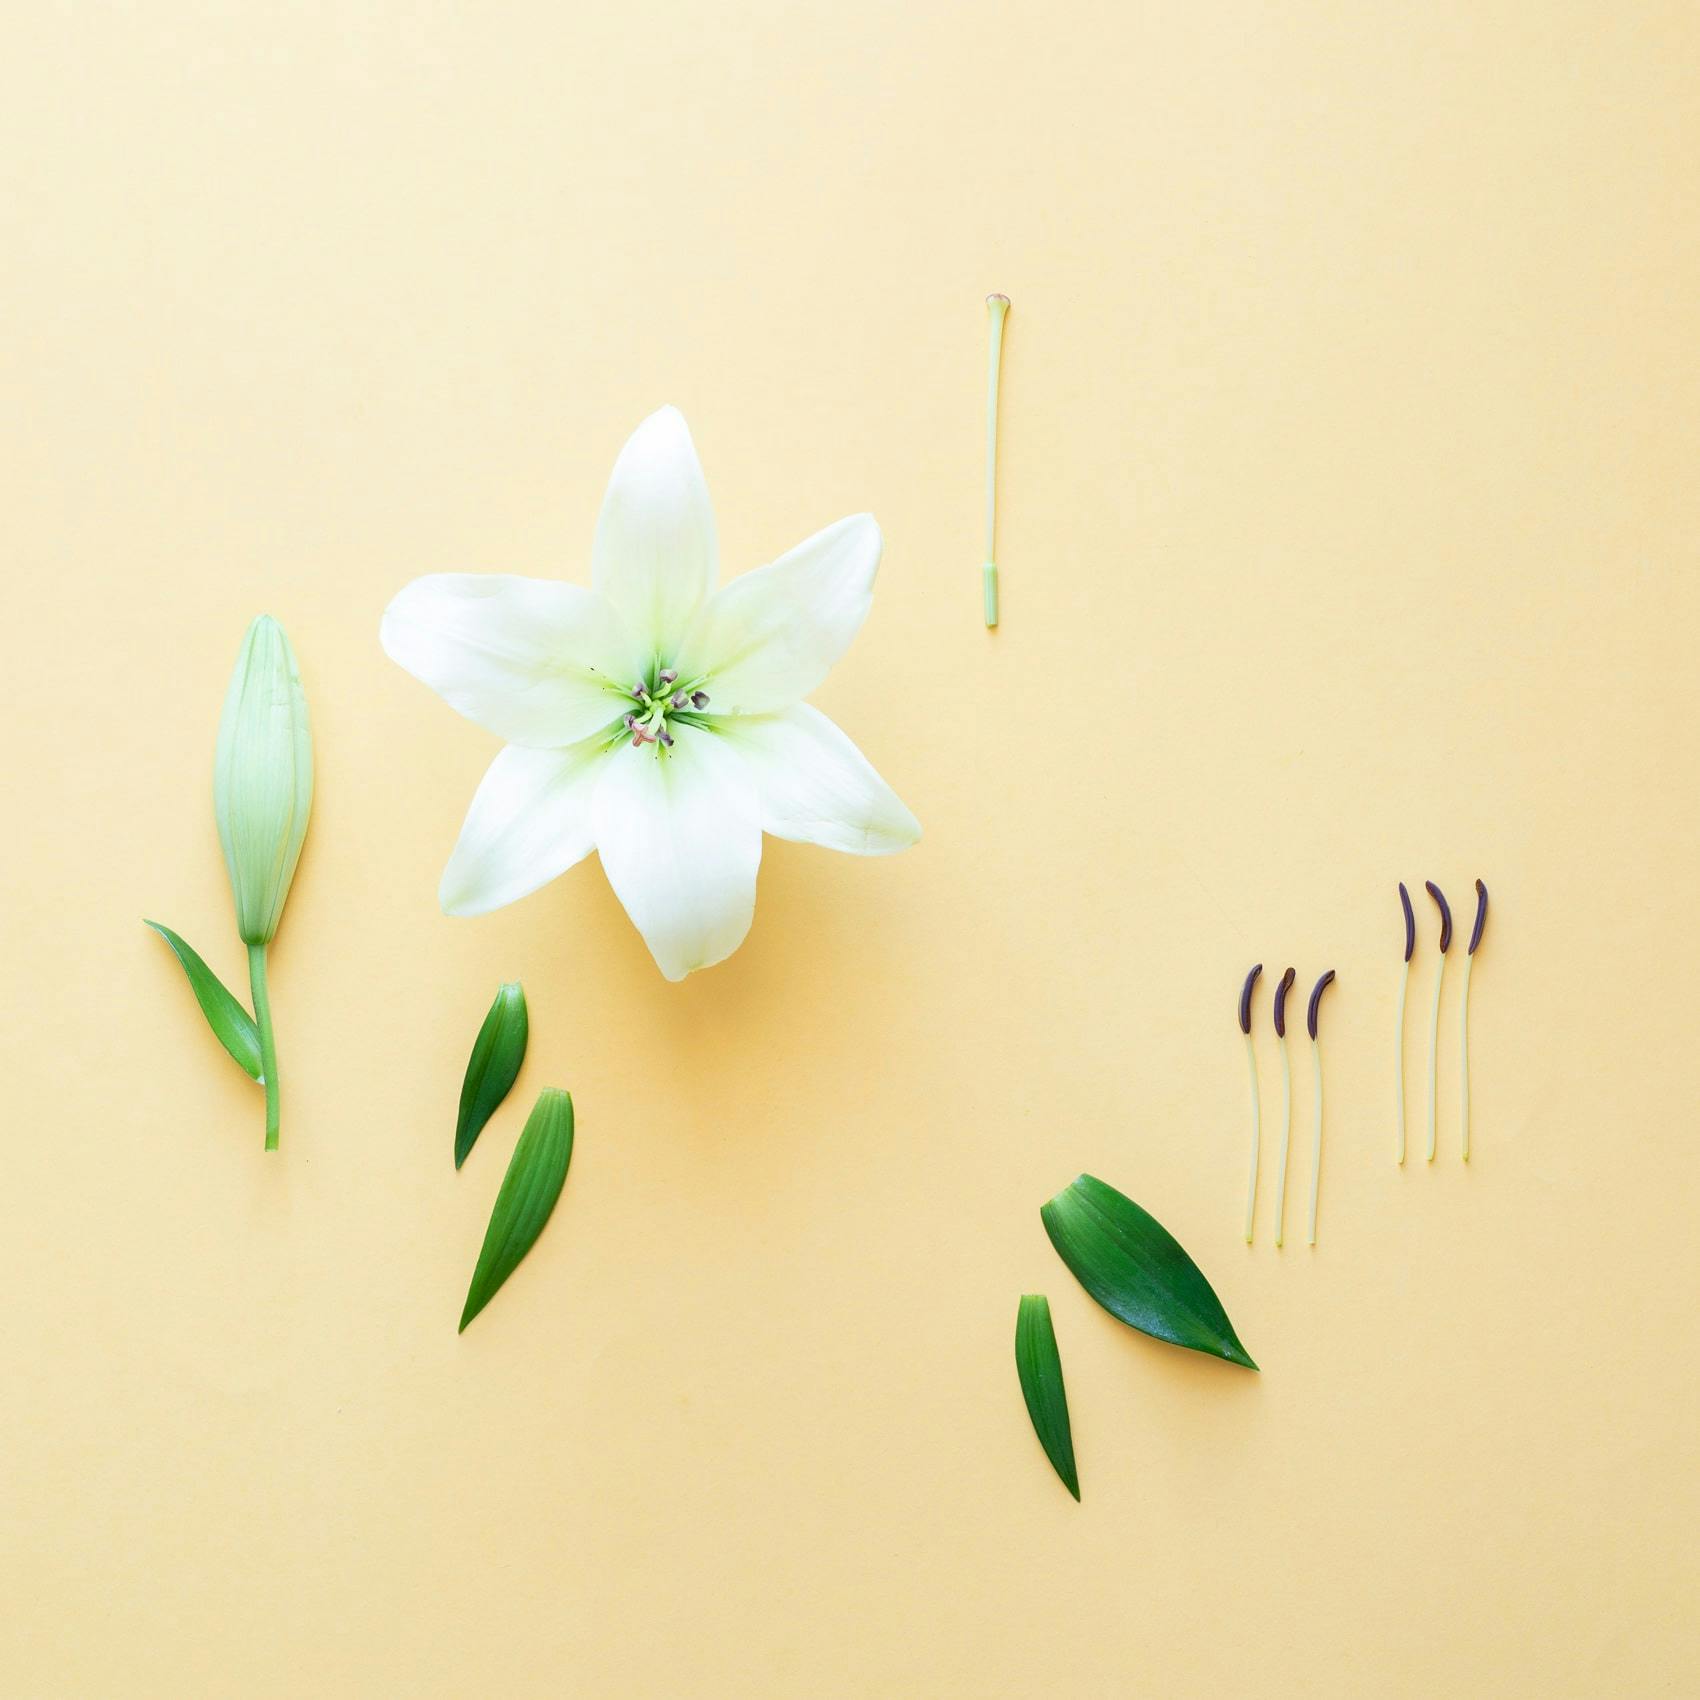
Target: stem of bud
268, 1045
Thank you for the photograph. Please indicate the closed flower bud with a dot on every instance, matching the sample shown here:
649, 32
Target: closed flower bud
263, 778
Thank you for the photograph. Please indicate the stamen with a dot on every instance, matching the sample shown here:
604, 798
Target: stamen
1316, 1058
1256, 1114
1399, 1042
680, 699
1245, 998
1439, 897
669, 676
1464, 1016
667, 739
1281, 990
699, 699
1481, 916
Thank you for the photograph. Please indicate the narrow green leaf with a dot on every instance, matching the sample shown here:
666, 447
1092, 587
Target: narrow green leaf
497, 1053
232, 1025
1135, 1268
1039, 1364
529, 1190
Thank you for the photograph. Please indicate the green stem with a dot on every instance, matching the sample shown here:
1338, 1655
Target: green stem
1464, 1057
1399, 1061
268, 1044
1286, 1140
1256, 1142
1316, 1149
1434, 1054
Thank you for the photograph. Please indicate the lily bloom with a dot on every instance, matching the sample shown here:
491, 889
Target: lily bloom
654, 718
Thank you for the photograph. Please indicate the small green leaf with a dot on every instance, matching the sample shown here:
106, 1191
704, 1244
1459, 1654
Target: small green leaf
529, 1190
231, 1023
497, 1053
1134, 1267
1039, 1365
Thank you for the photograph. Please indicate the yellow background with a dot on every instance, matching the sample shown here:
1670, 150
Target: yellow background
1349, 534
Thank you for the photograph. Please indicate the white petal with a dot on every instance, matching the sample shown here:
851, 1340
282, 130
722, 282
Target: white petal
817, 787
767, 639
656, 556
529, 821
535, 662
680, 836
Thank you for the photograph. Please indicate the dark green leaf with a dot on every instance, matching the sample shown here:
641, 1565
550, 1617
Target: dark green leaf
1039, 1365
231, 1023
1134, 1267
497, 1053
529, 1190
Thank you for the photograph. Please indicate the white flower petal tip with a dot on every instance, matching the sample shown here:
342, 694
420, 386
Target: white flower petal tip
537, 663
656, 553
529, 822
766, 640
679, 833
816, 787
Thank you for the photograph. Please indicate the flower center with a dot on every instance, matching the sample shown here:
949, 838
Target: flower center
657, 702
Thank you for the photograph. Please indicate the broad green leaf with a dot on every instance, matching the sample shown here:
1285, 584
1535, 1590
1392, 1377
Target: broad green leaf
497, 1053
1135, 1268
529, 1190
1039, 1365
232, 1025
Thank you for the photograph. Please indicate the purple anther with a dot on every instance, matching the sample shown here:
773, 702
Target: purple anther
1281, 1002
668, 676
1481, 917
1410, 921
1245, 999
1439, 896
699, 699
1316, 992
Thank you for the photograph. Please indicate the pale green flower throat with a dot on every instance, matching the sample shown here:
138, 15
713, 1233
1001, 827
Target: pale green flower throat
658, 702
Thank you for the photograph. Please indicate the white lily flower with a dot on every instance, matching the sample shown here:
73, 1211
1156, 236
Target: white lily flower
654, 719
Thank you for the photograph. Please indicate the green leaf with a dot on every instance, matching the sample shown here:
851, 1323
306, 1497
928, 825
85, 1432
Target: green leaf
1039, 1365
1135, 1268
231, 1023
497, 1053
529, 1190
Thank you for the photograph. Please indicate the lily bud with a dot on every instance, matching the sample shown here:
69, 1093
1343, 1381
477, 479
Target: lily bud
263, 778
